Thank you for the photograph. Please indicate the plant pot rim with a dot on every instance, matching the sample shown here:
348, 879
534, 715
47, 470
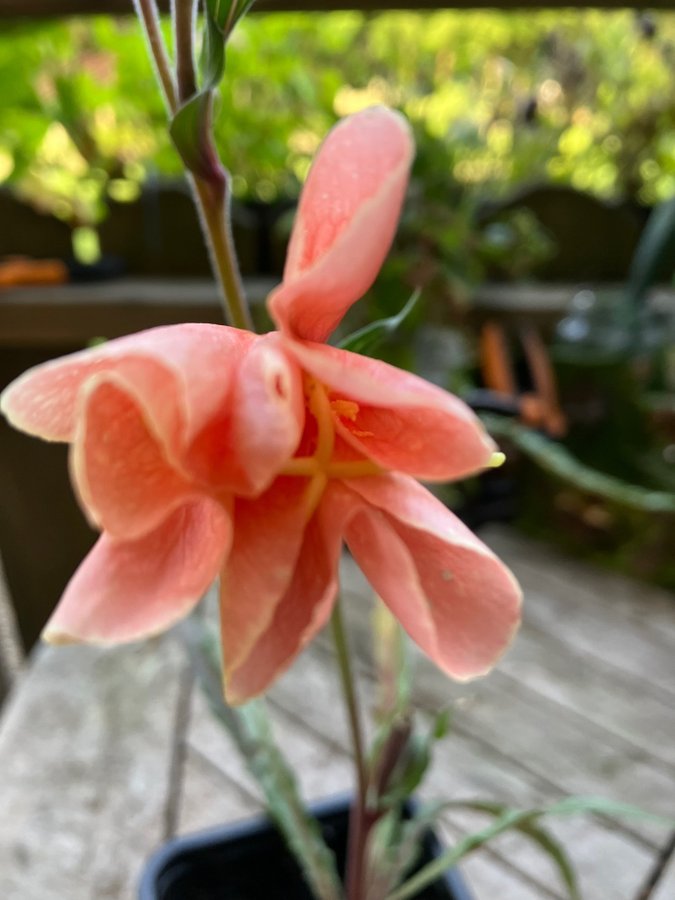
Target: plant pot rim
239, 832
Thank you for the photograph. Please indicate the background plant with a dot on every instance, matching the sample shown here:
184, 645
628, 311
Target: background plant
579, 98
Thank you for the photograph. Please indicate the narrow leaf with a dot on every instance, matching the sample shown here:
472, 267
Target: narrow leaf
370, 336
212, 59
556, 459
655, 249
539, 836
507, 820
553, 848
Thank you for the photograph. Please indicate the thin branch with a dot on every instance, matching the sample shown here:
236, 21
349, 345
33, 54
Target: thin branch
359, 822
183, 14
147, 13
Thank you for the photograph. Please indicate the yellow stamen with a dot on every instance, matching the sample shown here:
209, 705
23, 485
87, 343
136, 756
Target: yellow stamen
345, 409
496, 460
319, 467
353, 469
301, 465
313, 494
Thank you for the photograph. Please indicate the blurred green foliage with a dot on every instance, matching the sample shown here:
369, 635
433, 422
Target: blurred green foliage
580, 98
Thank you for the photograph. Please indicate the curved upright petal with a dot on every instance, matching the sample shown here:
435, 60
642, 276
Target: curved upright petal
397, 419
346, 221
300, 612
121, 474
452, 595
126, 590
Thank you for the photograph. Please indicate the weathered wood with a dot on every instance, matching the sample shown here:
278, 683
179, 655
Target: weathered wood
85, 745
586, 687
610, 864
627, 625
11, 650
665, 887
36, 8
72, 314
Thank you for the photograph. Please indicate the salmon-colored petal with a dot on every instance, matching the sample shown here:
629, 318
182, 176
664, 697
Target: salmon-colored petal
397, 419
183, 374
268, 534
243, 447
124, 481
126, 590
346, 221
299, 613
453, 596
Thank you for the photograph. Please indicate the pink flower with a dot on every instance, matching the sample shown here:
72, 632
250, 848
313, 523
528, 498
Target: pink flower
202, 450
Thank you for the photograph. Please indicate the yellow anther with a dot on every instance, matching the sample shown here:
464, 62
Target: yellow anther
345, 409
497, 459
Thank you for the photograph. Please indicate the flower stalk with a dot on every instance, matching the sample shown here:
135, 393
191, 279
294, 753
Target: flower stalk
208, 177
148, 15
183, 14
358, 824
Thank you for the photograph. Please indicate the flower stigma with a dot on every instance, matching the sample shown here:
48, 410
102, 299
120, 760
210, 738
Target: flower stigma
320, 466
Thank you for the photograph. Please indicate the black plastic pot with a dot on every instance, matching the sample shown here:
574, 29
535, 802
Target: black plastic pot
249, 861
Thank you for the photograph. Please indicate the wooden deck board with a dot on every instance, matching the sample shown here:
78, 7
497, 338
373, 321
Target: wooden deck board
625, 624
584, 702
665, 887
467, 768
85, 748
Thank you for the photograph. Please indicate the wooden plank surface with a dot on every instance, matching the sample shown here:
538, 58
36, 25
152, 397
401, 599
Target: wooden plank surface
611, 864
89, 740
665, 887
85, 749
74, 313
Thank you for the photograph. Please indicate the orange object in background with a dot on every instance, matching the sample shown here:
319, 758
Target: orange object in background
539, 407
21, 270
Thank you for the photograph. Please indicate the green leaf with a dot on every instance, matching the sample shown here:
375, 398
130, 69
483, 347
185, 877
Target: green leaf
409, 770
506, 820
212, 59
441, 724
542, 838
370, 336
557, 459
656, 247
250, 730
190, 131
219, 20
191, 126
414, 758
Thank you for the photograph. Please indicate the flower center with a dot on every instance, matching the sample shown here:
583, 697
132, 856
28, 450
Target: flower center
321, 466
